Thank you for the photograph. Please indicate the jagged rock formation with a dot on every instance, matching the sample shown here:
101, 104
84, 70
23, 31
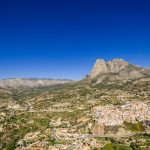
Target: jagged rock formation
117, 69
99, 67
20, 82
116, 65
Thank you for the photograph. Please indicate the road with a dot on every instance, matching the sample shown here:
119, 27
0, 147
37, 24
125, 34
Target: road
55, 136
83, 136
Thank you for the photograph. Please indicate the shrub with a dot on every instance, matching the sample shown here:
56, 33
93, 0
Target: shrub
134, 127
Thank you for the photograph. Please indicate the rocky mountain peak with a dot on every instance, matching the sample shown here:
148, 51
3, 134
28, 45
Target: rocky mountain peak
117, 70
116, 65
102, 67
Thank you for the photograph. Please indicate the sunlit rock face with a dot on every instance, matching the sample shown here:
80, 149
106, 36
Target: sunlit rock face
116, 65
117, 69
100, 67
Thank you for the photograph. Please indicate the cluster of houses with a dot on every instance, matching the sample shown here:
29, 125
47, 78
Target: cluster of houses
59, 122
111, 115
67, 133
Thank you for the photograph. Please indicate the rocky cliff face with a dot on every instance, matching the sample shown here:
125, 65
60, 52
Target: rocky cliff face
117, 69
116, 65
100, 67
19, 82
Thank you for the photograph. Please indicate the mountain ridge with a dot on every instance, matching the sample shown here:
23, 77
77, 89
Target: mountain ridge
102, 71
117, 69
30, 82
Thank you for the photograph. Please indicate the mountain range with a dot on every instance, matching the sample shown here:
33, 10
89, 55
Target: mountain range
102, 72
30, 82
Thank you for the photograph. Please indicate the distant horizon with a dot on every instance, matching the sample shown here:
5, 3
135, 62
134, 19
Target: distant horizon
49, 78
32, 78
62, 39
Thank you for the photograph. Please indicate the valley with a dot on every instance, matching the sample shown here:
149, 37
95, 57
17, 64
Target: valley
79, 115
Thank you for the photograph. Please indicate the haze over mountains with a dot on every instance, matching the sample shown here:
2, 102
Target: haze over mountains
102, 71
29, 82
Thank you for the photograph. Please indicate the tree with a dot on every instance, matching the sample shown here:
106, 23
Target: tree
134, 146
11, 145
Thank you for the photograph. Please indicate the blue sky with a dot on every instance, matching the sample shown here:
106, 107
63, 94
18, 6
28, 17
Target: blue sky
62, 39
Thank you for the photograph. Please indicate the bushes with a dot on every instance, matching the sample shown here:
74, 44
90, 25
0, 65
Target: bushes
115, 147
52, 140
146, 135
134, 146
23, 131
12, 144
84, 92
108, 147
134, 127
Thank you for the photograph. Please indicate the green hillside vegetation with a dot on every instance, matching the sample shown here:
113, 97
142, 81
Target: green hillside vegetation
134, 127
